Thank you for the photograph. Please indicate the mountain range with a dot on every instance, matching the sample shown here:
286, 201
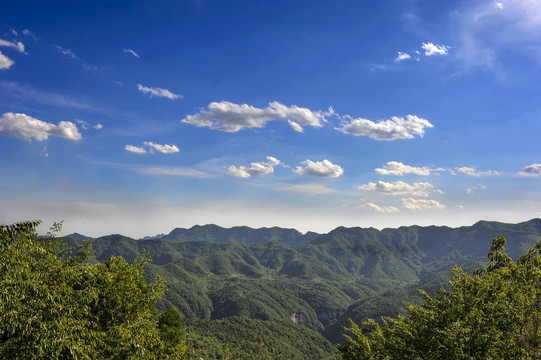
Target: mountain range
315, 280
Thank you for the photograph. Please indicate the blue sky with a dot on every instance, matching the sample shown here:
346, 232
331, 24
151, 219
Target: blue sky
136, 117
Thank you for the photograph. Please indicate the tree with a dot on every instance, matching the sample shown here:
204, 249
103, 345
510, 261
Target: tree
493, 314
56, 305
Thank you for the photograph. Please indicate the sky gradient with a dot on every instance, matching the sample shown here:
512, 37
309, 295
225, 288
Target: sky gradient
136, 117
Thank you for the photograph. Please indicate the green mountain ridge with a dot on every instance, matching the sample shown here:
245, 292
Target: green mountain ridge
347, 273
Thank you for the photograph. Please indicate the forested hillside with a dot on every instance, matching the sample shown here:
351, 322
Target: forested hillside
348, 273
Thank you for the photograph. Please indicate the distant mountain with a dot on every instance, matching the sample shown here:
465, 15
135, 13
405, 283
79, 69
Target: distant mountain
240, 234
159, 236
79, 237
314, 280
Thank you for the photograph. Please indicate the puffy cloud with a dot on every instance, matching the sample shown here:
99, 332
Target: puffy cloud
19, 46
382, 209
533, 170
230, 117
255, 168
130, 51
25, 127
98, 126
399, 169
135, 149
308, 189
319, 168
471, 189
431, 49
421, 204
402, 56
158, 92
392, 129
5, 62
399, 188
470, 171
165, 149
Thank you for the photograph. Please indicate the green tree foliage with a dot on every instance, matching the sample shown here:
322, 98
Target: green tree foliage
56, 305
493, 314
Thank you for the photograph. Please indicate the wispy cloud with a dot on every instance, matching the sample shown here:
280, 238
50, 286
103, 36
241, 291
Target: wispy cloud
5, 62
399, 188
319, 168
472, 189
19, 46
130, 51
471, 171
42, 97
164, 149
174, 171
307, 189
533, 170
229, 117
388, 130
26, 127
29, 33
255, 168
381, 209
421, 204
159, 92
69, 54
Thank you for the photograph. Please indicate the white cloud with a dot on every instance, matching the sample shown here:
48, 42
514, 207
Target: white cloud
308, 189
14, 32
19, 46
392, 129
470, 171
29, 33
66, 52
174, 171
132, 52
98, 126
135, 149
471, 189
319, 168
5, 62
432, 49
165, 149
255, 168
500, 5
421, 204
382, 209
533, 170
402, 56
25, 127
399, 188
399, 169
230, 117
158, 92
